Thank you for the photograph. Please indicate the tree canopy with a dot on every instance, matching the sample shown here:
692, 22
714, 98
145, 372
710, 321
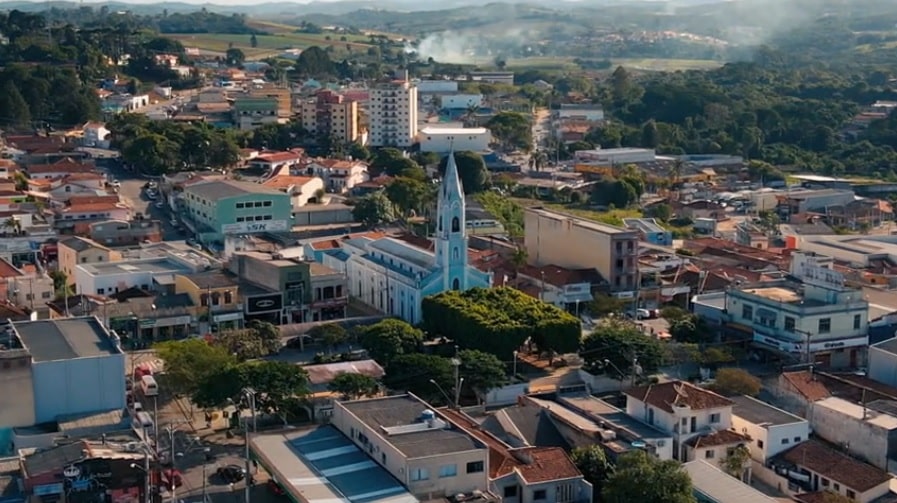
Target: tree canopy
593, 464
499, 320
471, 170
353, 386
189, 362
481, 371
373, 209
416, 372
619, 341
734, 381
641, 477
388, 339
512, 130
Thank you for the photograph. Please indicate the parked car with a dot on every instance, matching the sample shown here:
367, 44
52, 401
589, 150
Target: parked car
231, 473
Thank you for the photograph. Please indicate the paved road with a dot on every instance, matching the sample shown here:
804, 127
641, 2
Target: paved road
131, 193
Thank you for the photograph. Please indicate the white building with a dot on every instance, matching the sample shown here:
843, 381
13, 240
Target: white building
394, 276
784, 316
459, 101
339, 175
301, 189
392, 114
437, 86
771, 430
111, 277
712, 485
696, 418
614, 156
96, 135
867, 431
883, 362
444, 140
590, 113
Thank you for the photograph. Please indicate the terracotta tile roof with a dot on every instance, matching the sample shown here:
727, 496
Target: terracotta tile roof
836, 465
66, 165
83, 176
554, 275
332, 244
7, 270
93, 199
722, 437
83, 208
338, 163
533, 464
285, 181
804, 383
665, 395
279, 156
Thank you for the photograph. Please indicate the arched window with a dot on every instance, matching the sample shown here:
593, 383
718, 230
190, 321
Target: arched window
456, 224
440, 224
456, 254
456, 285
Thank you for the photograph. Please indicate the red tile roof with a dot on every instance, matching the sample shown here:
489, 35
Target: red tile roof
285, 181
7, 270
553, 274
279, 156
836, 465
722, 437
534, 464
804, 383
66, 165
83, 208
331, 244
666, 395
93, 199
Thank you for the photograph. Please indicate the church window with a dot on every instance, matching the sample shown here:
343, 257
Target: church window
455, 253
456, 285
456, 224
440, 225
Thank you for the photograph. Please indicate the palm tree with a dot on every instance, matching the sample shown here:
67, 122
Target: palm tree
470, 115
518, 260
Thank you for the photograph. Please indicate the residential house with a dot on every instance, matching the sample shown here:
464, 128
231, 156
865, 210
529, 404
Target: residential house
89, 208
691, 414
750, 234
562, 287
96, 135
74, 251
427, 453
796, 391
814, 466
319, 379
272, 162
302, 189
650, 231
867, 431
771, 430
339, 176
125, 233
701, 209
713, 485
274, 286
527, 474
59, 169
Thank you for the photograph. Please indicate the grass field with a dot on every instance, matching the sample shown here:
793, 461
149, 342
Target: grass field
280, 38
647, 64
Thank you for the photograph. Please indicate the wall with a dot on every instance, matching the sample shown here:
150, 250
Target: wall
667, 422
377, 448
461, 100
865, 439
17, 401
77, 386
580, 490
463, 482
506, 395
69, 258
433, 140
323, 215
770, 436
882, 366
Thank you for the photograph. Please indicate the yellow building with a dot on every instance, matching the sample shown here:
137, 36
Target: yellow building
329, 113
76, 250
217, 296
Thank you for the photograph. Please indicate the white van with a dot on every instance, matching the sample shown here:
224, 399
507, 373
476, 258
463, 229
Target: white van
148, 386
142, 421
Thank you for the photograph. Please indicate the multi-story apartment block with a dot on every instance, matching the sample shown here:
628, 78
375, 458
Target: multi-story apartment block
392, 114
329, 113
563, 240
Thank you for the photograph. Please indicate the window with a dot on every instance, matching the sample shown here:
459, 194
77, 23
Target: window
266, 204
448, 471
838, 487
267, 217
511, 492
796, 440
100, 291
240, 206
709, 453
789, 324
240, 219
850, 494
784, 441
825, 482
825, 325
258, 204
747, 312
83, 260
46, 295
856, 322
475, 467
540, 494
760, 444
456, 224
714, 418
419, 474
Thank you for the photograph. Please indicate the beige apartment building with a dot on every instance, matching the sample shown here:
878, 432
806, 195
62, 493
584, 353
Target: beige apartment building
554, 238
331, 114
392, 114
76, 250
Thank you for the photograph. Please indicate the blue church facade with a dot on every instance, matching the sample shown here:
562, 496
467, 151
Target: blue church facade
394, 276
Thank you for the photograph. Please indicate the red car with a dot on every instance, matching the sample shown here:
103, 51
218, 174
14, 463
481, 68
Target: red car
275, 487
173, 478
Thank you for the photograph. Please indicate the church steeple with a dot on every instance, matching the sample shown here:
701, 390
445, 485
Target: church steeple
451, 231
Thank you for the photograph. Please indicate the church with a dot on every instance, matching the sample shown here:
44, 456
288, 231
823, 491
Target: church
394, 276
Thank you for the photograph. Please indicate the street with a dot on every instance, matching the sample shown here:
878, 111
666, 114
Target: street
131, 193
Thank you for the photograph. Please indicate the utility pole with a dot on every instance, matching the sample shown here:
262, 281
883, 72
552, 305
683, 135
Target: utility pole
456, 380
249, 393
147, 495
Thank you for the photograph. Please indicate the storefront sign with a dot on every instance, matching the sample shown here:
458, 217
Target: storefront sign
252, 227
48, 489
264, 303
71, 472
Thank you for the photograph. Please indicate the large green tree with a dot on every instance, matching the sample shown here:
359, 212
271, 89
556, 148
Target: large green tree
373, 209
621, 342
512, 130
481, 371
190, 361
409, 195
641, 477
390, 338
416, 373
593, 464
353, 386
471, 170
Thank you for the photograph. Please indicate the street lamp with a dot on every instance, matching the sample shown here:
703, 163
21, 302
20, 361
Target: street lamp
249, 393
147, 497
444, 394
514, 374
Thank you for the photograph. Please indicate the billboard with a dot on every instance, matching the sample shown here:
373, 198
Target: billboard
264, 303
256, 226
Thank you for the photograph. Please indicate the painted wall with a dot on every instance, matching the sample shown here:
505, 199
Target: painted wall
78, 386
